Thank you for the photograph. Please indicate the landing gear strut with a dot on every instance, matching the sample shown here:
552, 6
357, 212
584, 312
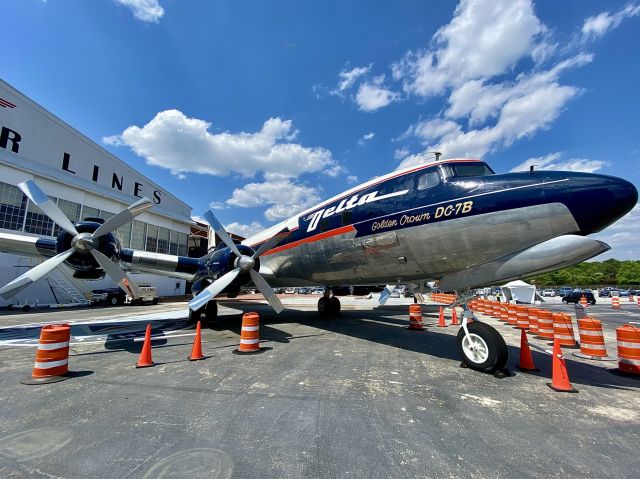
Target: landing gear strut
328, 304
481, 346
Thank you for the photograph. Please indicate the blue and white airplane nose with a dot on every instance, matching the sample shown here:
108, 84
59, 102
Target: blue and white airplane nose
596, 201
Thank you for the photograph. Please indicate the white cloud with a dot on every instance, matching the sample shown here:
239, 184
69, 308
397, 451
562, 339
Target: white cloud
285, 197
351, 179
244, 230
550, 162
347, 78
369, 136
374, 95
217, 205
401, 153
148, 11
181, 144
484, 39
598, 25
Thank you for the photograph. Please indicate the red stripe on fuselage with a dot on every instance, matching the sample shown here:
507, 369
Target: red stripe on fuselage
311, 239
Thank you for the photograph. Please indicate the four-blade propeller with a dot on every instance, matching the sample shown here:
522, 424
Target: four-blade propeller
244, 264
82, 243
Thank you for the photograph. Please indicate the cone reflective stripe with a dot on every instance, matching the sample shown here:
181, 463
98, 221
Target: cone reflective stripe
583, 301
522, 318
615, 302
415, 317
628, 339
559, 375
250, 333
454, 317
441, 323
145, 360
196, 349
52, 356
512, 318
532, 314
591, 340
545, 324
563, 330
526, 359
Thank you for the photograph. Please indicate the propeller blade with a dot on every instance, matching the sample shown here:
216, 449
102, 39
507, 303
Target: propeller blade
213, 290
116, 274
386, 293
39, 198
266, 291
124, 217
34, 274
221, 232
272, 242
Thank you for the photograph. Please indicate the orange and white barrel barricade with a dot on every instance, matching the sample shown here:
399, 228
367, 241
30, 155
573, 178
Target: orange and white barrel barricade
592, 340
563, 330
522, 317
504, 313
639, 300
415, 317
545, 324
615, 302
628, 338
532, 314
496, 310
249, 335
583, 301
482, 307
512, 318
52, 355
630, 298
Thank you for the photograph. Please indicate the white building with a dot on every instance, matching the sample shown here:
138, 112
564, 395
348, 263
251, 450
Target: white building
86, 181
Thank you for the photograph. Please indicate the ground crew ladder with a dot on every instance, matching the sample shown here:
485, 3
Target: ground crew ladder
65, 288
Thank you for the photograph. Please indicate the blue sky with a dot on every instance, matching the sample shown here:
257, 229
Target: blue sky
261, 109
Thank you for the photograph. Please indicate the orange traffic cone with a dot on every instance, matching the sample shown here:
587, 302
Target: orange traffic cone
454, 317
441, 323
559, 376
145, 360
196, 350
526, 359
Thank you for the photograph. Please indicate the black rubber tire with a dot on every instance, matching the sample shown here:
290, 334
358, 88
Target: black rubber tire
210, 312
113, 300
323, 306
497, 354
154, 301
194, 316
334, 306
564, 301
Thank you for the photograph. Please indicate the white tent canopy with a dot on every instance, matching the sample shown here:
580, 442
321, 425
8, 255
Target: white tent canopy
519, 291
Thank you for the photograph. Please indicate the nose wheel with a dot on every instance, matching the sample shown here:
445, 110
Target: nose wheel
483, 349
328, 305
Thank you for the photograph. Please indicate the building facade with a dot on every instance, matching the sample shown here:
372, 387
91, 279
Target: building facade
85, 181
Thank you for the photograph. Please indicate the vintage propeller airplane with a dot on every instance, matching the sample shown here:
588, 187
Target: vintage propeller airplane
453, 221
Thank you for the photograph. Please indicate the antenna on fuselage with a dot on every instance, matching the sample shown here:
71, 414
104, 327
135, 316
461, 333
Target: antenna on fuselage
438, 154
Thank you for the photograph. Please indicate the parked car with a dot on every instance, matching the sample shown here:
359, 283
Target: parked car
574, 297
565, 290
606, 292
290, 291
112, 296
624, 293
550, 293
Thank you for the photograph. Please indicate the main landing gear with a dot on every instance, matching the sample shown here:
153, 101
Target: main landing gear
328, 304
210, 312
481, 346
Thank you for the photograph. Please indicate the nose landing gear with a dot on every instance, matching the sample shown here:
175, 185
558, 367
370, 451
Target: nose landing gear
328, 304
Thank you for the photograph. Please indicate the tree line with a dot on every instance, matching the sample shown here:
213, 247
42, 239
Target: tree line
610, 272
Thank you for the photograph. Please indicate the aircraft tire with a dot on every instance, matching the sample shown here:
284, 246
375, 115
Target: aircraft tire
323, 306
334, 305
488, 353
194, 316
211, 312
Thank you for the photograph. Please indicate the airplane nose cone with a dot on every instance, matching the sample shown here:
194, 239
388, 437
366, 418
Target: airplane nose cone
599, 200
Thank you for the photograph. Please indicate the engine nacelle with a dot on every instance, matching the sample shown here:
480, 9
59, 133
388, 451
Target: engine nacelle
82, 262
221, 261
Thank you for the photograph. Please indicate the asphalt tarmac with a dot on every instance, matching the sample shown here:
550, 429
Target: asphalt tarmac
358, 395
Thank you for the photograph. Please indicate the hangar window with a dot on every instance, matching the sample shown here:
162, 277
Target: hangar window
37, 222
163, 240
90, 212
173, 242
428, 180
152, 238
182, 244
71, 211
124, 235
12, 207
138, 232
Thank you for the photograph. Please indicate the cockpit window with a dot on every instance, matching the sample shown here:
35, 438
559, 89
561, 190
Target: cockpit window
428, 180
467, 169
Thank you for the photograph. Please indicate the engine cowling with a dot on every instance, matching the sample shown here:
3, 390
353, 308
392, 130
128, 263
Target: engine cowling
82, 262
220, 262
